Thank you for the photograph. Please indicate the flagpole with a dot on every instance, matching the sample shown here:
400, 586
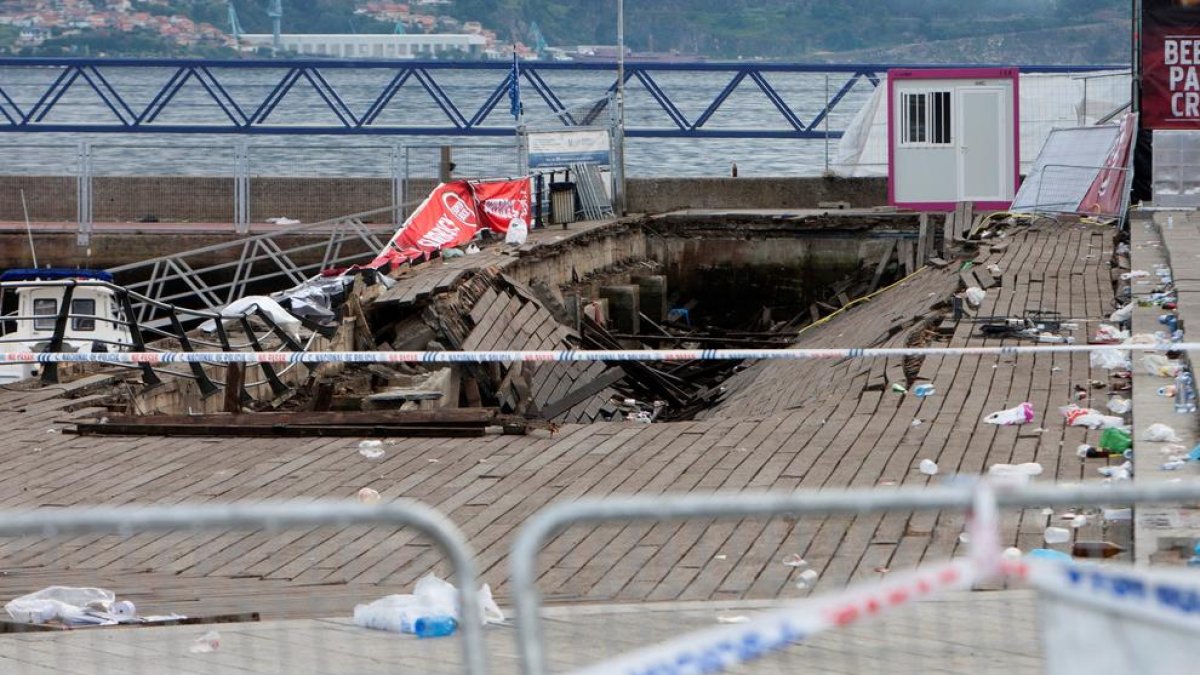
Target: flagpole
619, 164
518, 112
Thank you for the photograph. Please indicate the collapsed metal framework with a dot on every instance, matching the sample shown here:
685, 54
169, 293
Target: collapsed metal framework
239, 108
280, 259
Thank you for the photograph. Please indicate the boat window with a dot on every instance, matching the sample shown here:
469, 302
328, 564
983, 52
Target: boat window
925, 118
45, 307
83, 306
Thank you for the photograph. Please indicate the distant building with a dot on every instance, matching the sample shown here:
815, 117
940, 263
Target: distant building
381, 46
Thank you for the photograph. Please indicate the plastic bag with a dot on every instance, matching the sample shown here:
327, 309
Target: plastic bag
1115, 440
975, 296
517, 233
1018, 415
1119, 405
1122, 315
63, 603
1157, 364
1090, 418
1109, 359
1109, 334
1161, 433
431, 597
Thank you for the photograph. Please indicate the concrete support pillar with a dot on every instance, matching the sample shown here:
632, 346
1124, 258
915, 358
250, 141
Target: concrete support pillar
623, 307
653, 298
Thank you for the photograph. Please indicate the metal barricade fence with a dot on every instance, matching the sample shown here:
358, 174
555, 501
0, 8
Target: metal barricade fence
252, 603
923, 620
1061, 188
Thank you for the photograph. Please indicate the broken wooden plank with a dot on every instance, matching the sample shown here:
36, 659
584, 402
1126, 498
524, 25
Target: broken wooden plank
888, 250
582, 393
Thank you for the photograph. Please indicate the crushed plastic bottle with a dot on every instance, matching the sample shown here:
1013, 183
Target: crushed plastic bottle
928, 467
924, 389
370, 449
434, 626
1049, 554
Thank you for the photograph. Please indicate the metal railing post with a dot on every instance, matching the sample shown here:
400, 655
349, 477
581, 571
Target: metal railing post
241, 187
83, 194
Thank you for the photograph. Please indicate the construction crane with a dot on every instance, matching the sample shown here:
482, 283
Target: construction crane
235, 26
275, 11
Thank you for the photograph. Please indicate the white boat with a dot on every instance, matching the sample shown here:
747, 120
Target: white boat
33, 300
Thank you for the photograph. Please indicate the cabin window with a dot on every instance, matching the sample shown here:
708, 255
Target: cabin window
45, 307
925, 118
83, 306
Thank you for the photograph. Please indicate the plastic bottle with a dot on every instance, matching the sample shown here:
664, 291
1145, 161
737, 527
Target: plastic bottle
1185, 393
434, 626
1170, 321
928, 467
924, 389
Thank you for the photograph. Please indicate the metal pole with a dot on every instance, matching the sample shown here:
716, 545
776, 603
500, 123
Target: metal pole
827, 125
619, 165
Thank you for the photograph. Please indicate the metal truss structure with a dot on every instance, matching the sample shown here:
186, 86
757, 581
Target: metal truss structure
239, 108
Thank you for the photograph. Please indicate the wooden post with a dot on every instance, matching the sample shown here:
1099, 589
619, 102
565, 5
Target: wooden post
233, 387
923, 230
446, 166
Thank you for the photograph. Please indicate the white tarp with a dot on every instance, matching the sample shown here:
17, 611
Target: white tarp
1064, 169
1047, 102
1117, 618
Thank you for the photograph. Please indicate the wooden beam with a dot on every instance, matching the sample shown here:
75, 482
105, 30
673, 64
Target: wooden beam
582, 393
883, 263
922, 232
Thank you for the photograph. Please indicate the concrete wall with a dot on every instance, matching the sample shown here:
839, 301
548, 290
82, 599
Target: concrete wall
658, 195
210, 199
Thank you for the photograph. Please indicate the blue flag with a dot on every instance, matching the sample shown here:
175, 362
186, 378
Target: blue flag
514, 89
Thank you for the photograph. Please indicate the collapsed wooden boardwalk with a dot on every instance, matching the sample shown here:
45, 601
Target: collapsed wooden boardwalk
782, 426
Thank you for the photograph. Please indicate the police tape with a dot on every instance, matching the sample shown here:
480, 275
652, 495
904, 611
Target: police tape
721, 647
568, 355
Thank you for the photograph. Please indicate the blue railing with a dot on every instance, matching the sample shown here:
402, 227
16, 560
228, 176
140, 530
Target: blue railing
259, 97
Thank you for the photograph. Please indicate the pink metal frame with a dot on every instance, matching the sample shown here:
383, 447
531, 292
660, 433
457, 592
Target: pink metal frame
952, 74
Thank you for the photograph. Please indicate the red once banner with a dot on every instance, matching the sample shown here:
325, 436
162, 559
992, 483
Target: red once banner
1170, 64
502, 202
1106, 194
446, 218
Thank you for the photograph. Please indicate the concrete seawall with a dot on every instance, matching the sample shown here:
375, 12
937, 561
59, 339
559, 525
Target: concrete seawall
210, 199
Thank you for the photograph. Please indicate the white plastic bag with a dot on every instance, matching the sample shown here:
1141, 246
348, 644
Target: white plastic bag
1157, 364
1120, 405
1090, 418
63, 603
1122, 315
431, 596
1109, 359
517, 233
1161, 433
975, 295
1021, 414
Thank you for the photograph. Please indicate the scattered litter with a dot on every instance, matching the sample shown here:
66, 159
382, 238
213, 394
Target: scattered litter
1090, 418
917, 422
733, 619
1173, 465
720, 557
1049, 554
52, 431
1161, 433
1157, 364
1118, 514
1107, 334
1122, 315
1055, 369
882, 570
1078, 521
924, 389
807, 578
368, 496
1039, 430
1109, 359
370, 449
472, 249
1012, 553
206, 644
1028, 469
1085, 451
795, 561
1119, 405
517, 233
994, 270
1021, 414
1115, 440
433, 460
928, 467
1047, 511
964, 538
899, 388
67, 604
1056, 535
1134, 274
433, 600
450, 253
283, 220
1118, 473
1168, 391
975, 295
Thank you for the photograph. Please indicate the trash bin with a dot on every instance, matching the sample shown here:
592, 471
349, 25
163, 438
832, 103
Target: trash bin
562, 202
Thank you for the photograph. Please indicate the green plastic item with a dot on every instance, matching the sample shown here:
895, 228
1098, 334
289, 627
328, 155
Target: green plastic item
1115, 440
966, 266
899, 388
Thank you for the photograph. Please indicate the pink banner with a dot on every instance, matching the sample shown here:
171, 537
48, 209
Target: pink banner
1106, 194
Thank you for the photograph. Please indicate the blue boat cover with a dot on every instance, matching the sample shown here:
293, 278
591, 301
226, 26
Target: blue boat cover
54, 273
